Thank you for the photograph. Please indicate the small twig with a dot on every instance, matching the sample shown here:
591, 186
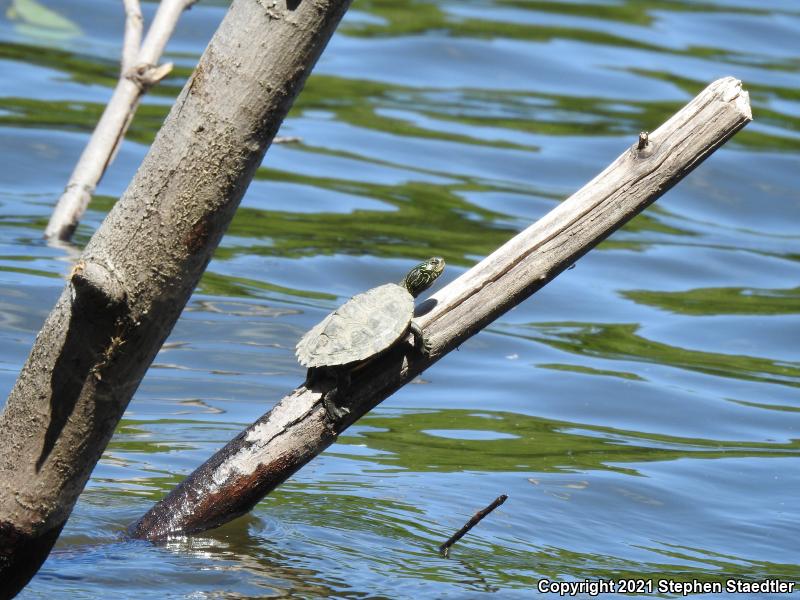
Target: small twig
444, 549
160, 30
134, 24
146, 76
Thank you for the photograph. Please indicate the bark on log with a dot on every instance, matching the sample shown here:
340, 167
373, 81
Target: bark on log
298, 427
141, 266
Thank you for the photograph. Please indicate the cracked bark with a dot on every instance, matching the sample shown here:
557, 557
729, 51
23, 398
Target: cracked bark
298, 428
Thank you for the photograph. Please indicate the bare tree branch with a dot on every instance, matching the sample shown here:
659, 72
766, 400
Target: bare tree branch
160, 31
134, 25
139, 73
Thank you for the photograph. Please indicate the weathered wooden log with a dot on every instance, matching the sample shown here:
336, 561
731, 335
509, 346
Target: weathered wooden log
298, 427
139, 269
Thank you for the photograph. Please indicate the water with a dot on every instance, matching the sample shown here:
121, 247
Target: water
641, 412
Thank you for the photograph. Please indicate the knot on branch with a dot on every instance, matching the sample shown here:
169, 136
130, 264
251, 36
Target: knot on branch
271, 8
146, 75
134, 15
101, 315
644, 139
98, 285
644, 146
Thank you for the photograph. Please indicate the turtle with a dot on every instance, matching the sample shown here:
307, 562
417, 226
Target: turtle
366, 325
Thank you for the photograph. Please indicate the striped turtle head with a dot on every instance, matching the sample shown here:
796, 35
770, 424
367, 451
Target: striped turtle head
421, 277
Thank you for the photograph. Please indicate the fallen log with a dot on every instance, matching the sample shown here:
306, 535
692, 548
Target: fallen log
299, 427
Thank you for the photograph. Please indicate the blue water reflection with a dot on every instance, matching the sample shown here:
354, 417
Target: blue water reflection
641, 411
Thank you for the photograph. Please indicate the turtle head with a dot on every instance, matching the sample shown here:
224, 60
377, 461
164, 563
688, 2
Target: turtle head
423, 275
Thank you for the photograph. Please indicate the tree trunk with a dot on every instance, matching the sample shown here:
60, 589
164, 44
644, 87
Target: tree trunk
299, 427
139, 269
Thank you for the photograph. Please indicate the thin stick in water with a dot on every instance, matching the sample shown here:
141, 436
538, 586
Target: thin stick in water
444, 549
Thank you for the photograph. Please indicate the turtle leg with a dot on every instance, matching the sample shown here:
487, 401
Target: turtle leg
317, 375
421, 341
335, 412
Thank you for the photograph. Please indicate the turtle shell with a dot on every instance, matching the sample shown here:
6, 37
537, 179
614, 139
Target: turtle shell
362, 327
